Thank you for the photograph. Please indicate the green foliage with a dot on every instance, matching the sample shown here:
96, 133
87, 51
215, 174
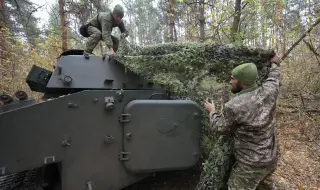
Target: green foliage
54, 19
19, 56
20, 19
145, 13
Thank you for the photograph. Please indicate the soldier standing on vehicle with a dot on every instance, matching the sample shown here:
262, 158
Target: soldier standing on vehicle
100, 28
250, 118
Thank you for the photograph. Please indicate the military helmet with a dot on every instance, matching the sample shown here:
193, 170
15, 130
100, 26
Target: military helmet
118, 9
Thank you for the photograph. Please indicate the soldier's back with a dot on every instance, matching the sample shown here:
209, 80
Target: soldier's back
101, 17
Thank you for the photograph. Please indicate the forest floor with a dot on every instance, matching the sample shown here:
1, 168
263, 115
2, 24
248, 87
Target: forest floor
298, 167
299, 164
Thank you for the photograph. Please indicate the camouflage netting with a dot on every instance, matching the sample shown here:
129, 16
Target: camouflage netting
183, 68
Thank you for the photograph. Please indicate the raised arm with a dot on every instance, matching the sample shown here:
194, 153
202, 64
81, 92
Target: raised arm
272, 83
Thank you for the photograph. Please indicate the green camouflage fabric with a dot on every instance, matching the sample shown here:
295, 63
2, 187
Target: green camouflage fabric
250, 118
249, 178
100, 28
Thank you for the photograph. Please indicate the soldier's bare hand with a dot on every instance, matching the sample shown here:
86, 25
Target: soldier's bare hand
111, 52
209, 106
275, 59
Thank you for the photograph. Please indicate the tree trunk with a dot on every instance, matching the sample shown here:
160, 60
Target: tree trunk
317, 15
171, 16
63, 25
316, 8
186, 26
2, 35
202, 20
189, 24
2, 12
236, 20
280, 26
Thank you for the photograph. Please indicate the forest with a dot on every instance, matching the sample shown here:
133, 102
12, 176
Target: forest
289, 27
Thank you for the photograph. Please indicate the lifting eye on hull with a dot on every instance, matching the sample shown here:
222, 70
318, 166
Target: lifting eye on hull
21, 95
4, 98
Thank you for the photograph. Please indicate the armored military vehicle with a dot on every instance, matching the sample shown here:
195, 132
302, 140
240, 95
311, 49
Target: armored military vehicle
101, 127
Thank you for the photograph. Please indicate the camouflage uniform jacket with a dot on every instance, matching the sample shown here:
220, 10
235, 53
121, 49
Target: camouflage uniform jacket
250, 117
105, 23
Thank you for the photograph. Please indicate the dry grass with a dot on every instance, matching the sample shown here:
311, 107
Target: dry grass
299, 165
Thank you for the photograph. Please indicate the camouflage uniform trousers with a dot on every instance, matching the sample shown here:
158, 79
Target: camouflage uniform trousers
95, 37
244, 177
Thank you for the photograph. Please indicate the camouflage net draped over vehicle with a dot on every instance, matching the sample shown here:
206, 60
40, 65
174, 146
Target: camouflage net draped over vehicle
183, 68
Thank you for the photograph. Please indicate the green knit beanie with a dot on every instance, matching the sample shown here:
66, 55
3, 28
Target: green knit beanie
118, 9
247, 73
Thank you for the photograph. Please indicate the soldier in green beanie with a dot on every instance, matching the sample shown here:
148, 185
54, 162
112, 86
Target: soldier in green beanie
100, 28
244, 76
250, 118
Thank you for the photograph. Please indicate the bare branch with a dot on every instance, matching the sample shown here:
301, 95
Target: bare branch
311, 48
33, 12
299, 40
